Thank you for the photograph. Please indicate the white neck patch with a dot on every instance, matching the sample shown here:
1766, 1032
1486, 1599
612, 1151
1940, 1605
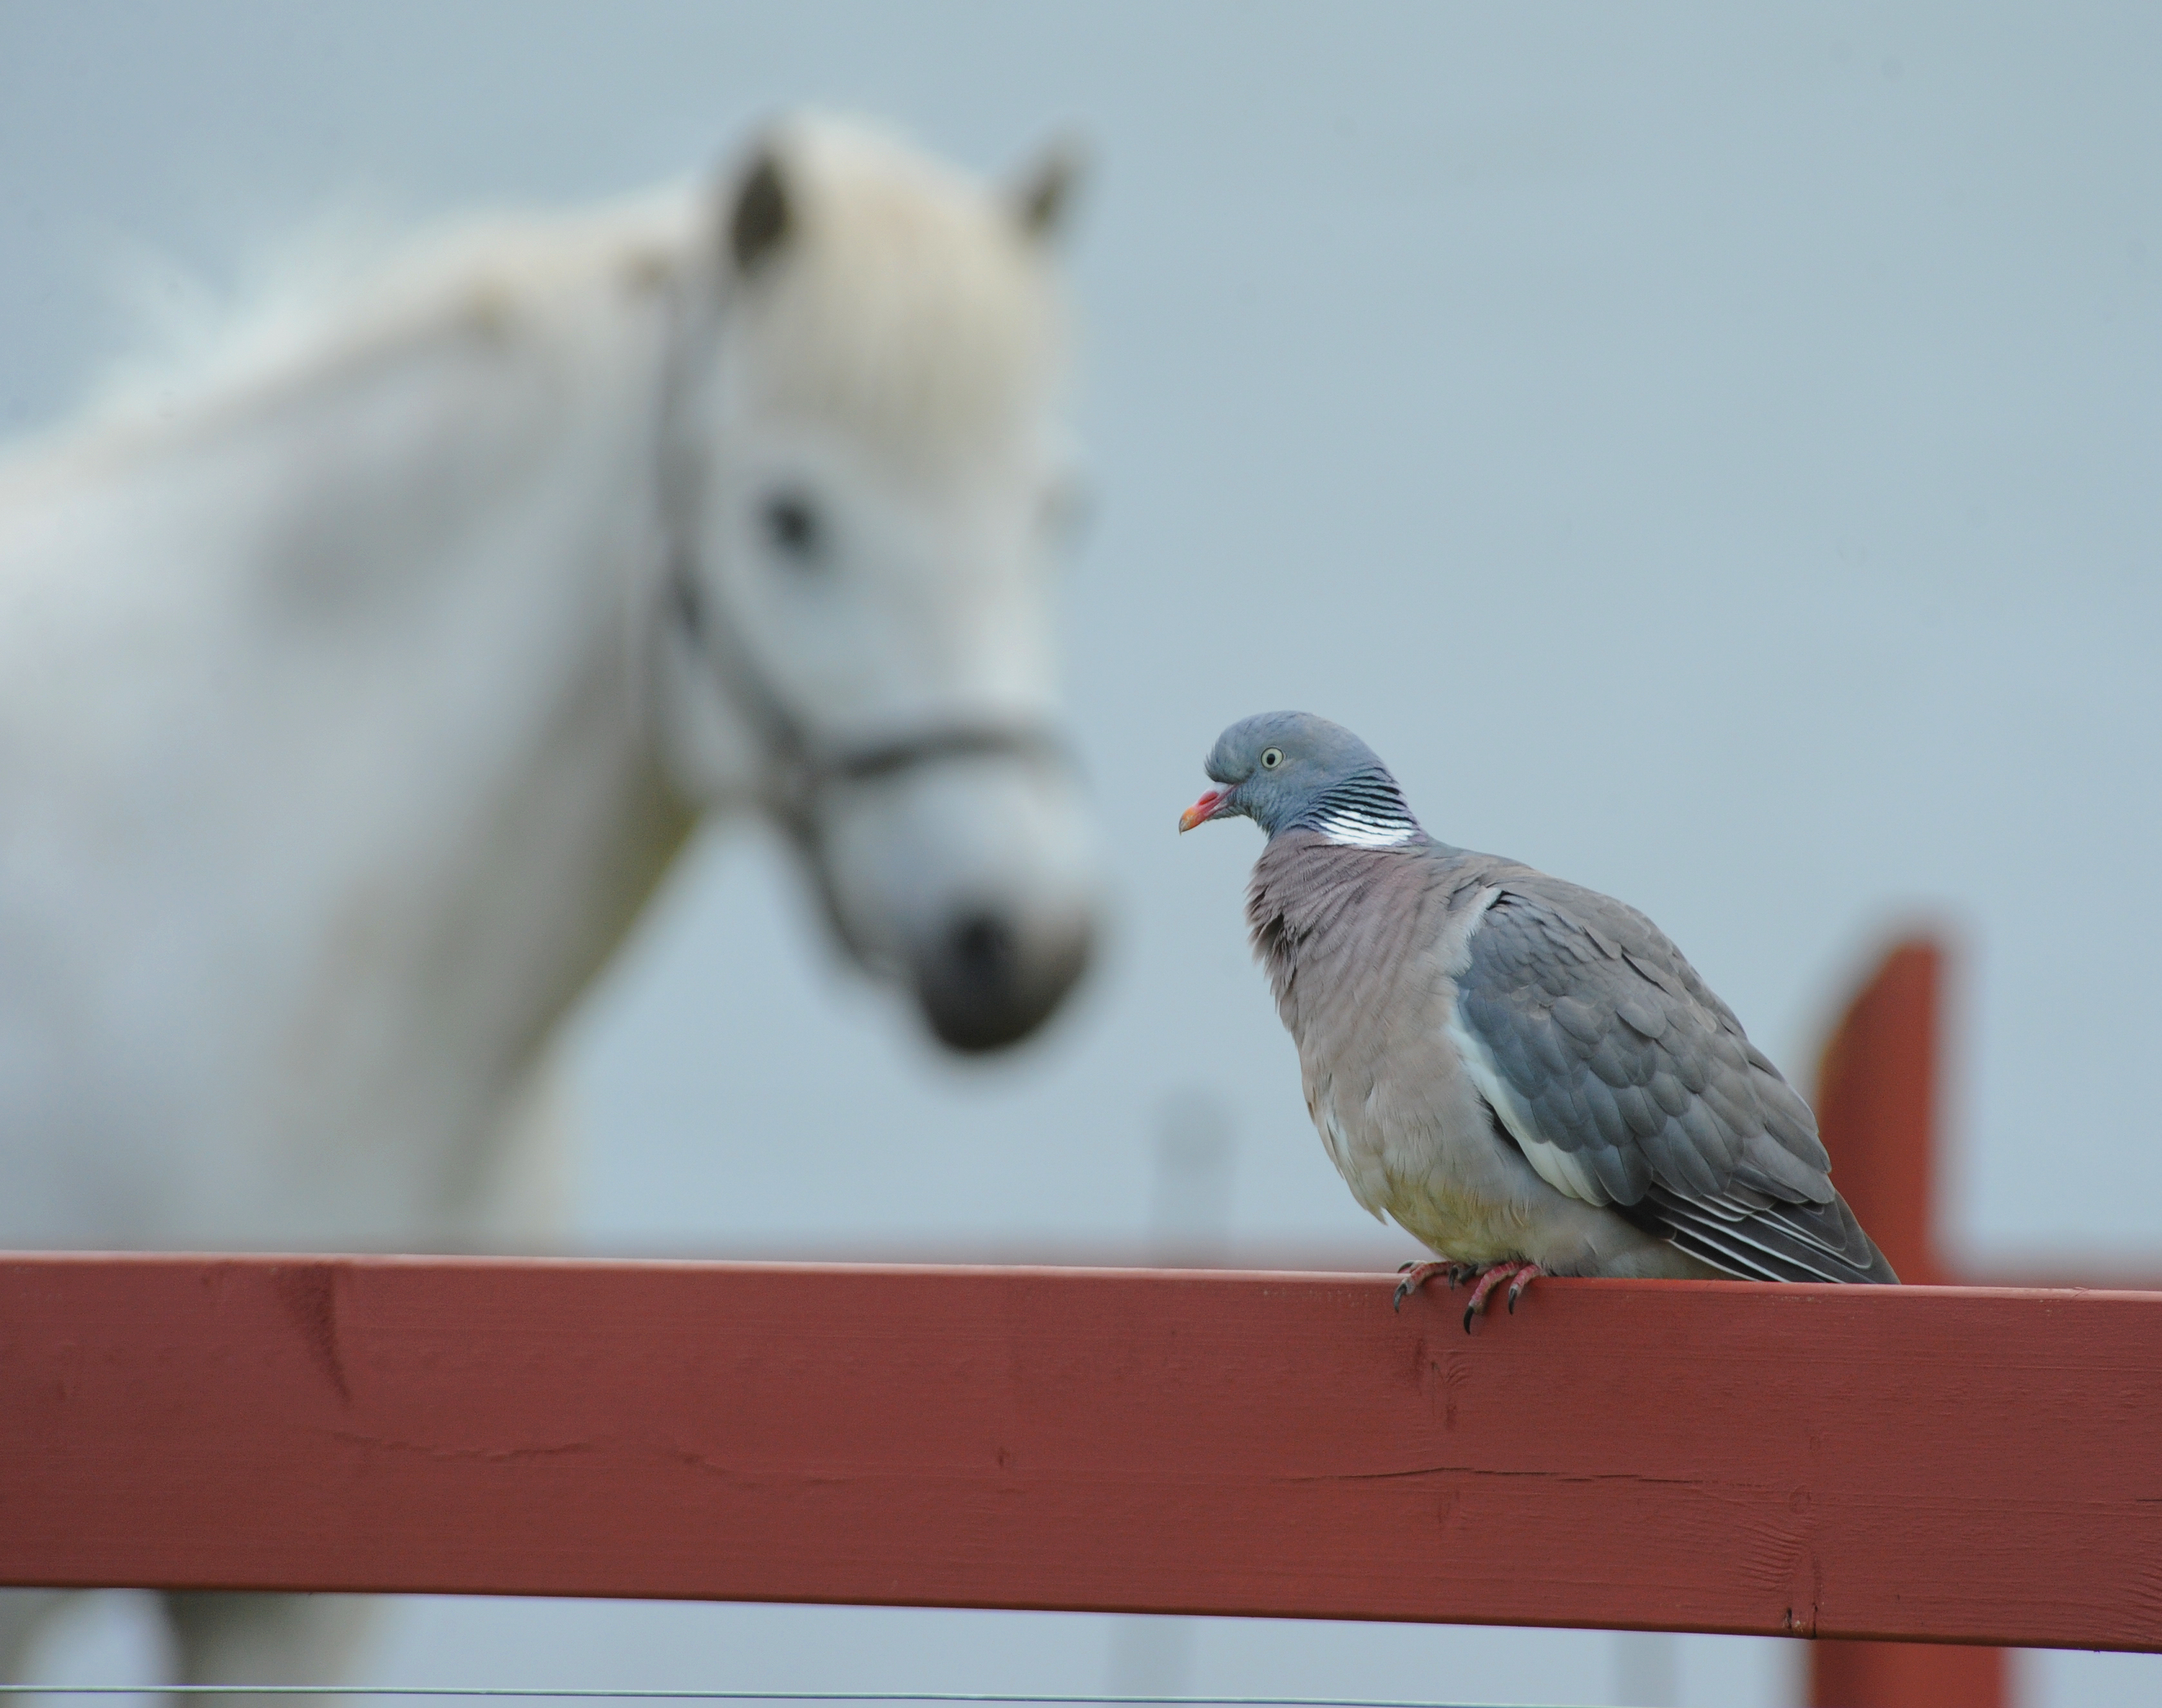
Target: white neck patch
1366, 812
1354, 830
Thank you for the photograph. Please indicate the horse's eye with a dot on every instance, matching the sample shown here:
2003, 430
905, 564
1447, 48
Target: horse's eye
791, 526
1271, 757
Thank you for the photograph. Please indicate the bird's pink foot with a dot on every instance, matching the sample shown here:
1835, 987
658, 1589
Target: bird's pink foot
1515, 1272
1417, 1275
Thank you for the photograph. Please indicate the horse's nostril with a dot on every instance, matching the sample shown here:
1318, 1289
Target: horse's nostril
988, 984
984, 951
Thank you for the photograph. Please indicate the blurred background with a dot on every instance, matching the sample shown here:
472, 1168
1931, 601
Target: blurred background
1710, 454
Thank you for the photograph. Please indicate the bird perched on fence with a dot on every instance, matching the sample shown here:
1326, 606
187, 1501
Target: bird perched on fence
1524, 1074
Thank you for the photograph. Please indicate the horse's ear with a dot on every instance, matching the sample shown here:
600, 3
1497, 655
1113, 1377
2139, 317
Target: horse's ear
1042, 196
760, 222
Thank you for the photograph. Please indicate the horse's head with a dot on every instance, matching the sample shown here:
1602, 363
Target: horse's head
865, 494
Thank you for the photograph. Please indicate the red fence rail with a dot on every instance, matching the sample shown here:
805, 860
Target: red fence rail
1971, 1465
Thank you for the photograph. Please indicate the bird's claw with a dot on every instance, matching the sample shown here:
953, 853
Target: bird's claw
1415, 1275
1516, 1273
1419, 1271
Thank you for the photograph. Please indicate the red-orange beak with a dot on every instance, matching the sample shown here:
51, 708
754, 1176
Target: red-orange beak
1204, 809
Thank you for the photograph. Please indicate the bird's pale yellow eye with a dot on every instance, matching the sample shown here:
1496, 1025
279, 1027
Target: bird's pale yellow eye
1271, 757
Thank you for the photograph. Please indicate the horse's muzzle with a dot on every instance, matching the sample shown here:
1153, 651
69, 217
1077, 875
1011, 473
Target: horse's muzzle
987, 981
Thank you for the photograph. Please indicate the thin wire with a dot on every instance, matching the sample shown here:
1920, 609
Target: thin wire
559, 1693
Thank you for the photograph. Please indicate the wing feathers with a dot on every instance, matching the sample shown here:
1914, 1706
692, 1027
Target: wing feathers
1626, 1083
1784, 1242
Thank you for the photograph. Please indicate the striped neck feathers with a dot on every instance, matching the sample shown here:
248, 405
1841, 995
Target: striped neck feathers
1365, 811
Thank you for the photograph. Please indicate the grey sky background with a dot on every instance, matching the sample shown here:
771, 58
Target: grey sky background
1710, 453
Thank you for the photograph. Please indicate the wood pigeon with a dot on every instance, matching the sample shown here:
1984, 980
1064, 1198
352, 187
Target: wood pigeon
1525, 1074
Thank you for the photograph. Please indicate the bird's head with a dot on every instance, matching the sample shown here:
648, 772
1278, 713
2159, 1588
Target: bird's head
1291, 769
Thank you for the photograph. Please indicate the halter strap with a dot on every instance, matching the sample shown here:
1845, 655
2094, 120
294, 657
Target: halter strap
799, 767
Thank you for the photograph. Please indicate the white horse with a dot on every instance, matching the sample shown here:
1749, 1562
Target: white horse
350, 707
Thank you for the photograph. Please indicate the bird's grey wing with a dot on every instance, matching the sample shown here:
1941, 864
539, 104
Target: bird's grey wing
1626, 1083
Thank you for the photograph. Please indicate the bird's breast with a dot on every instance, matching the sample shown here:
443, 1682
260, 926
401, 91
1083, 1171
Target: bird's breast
1362, 947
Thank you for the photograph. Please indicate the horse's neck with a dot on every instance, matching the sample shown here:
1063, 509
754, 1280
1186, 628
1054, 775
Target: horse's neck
502, 510
396, 611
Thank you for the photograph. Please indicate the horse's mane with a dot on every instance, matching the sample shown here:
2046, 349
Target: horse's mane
909, 301
348, 285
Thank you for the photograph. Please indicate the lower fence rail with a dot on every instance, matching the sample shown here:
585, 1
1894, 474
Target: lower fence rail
1962, 1464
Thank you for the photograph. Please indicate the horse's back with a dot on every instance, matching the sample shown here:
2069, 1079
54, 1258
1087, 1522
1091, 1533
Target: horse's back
212, 626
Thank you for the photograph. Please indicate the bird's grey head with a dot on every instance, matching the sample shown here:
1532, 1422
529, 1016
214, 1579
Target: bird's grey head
1290, 770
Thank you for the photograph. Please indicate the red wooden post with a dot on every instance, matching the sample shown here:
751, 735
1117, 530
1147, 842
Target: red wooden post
1877, 1103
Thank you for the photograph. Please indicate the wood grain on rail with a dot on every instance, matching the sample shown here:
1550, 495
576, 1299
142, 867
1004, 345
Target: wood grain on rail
1963, 1465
